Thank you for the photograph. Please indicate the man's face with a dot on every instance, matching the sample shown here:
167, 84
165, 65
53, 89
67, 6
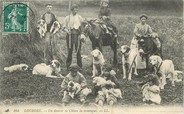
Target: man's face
143, 20
74, 11
104, 4
74, 73
49, 8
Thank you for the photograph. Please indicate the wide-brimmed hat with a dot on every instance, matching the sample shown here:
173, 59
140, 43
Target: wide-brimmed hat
74, 6
74, 67
143, 15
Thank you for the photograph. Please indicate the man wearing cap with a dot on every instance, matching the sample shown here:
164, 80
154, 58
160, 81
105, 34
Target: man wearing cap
49, 41
141, 29
76, 77
71, 26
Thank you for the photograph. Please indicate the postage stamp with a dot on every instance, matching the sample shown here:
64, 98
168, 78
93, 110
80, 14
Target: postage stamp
15, 17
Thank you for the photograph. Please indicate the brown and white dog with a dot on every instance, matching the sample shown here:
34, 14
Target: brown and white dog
48, 70
42, 28
98, 62
18, 67
55, 27
129, 56
72, 89
164, 69
178, 75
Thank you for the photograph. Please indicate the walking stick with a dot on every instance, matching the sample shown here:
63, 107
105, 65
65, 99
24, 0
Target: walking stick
69, 37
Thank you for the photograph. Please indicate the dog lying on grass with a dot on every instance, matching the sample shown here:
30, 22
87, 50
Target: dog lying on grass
18, 67
48, 70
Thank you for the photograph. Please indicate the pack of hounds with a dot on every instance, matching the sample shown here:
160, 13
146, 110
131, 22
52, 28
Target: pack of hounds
106, 89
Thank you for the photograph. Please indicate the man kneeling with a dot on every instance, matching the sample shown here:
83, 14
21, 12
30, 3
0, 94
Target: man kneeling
74, 80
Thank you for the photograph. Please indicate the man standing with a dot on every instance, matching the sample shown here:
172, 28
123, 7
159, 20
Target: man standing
49, 41
71, 26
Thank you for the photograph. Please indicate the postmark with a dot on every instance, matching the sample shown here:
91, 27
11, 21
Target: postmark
15, 17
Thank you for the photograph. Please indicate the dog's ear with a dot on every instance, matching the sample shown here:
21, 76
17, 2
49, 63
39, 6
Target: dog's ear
24, 68
127, 48
100, 53
58, 64
159, 59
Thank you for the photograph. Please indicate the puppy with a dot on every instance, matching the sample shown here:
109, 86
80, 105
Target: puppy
84, 93
72, 89
48, 70
129, 57
99, 81
42, 28
178, 76
98, 62
55, 27
164, 69
18, 67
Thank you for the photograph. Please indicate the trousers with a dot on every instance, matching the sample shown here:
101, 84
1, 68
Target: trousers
73, 42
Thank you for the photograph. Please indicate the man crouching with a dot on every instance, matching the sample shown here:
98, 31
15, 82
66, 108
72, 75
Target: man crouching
73, 78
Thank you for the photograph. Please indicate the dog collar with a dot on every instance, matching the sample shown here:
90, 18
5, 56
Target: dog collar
159, 67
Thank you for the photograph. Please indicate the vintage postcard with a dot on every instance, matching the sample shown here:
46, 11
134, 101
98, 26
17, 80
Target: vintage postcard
91, 56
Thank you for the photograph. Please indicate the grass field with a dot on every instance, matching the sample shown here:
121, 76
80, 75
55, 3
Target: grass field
24, 88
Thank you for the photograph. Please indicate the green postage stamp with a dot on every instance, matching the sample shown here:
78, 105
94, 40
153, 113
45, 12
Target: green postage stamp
15, 17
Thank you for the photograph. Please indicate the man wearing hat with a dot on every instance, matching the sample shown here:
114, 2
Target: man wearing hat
76, 77
49, 41
71, 25
142, 28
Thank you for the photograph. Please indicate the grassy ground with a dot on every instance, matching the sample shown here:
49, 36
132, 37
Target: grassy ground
24, 88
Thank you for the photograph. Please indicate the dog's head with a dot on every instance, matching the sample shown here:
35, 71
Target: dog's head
24, 67
70, 86
179, 75
41, 22
56, 24
96, 53
99, 81
55, 64
125, 49
155, 60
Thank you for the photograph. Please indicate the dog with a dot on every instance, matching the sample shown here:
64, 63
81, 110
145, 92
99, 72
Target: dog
18, 67
55, 27
178, 76
42, 28
99, 81
129, 57
48, 70
163, 68
98, 62
72, 89
84, 93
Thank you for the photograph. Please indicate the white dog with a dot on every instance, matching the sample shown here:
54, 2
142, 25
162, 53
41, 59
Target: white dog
18, 67
99, 81
98, 61
48, 70
129, 56
163, 67
55, 27
84, 93
42, 28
